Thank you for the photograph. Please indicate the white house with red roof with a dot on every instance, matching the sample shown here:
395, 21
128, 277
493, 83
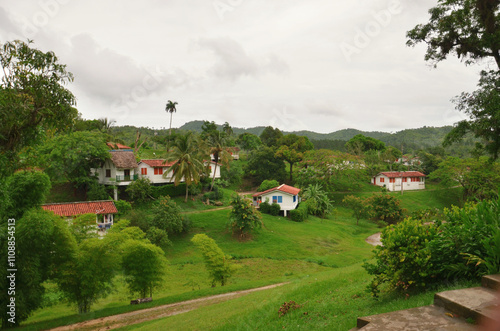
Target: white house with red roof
104, 210
284, 195
400, 180
119, 170
158, 170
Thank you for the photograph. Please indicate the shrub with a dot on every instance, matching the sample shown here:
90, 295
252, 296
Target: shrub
123, 207
216, 194
97, 192
267, 184
265, 207
360, 207
404, 260
300, 214
386, 208
167, 216
274, 209
158, 237
170, 190
243, 217
140, 190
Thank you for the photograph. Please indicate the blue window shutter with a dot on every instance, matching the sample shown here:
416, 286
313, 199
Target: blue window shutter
280, 199
294, 198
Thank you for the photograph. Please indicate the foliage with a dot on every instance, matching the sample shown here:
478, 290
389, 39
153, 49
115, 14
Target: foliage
301, 213
158, 237
23, 191
233, 174
404, 259
216, 195
140, 190
97, 192
386, 208
287, 306
479, 178
270, 136
167, 216
268, 184
188, 160
33, 99
469, 30
123, 207
218, 145
42, 244
217, 263
143, 266
84, 227
318, 202
262, 165
332, 144
360, 207
334, 171
169, 189
88, 275
274, 209
243, 217
248, 141
292, 148
360, 144
482, 108
70, 157
265, 207
170, 108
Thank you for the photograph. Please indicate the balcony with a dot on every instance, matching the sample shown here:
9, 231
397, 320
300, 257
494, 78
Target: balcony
130, 178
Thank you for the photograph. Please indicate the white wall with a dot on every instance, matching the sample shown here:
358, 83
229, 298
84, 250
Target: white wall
396, 186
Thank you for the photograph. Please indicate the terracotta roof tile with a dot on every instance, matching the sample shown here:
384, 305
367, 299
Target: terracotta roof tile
283, 188
397, 174
158, 163
80, 208
117, 146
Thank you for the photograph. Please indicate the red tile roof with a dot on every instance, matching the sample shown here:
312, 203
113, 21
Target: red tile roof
79, 208
158, 163
398, 174
283, 188
117, 146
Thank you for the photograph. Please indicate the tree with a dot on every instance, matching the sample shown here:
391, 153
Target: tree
243, 217
33, 99
268, 184
270, 136
360, 144
105, 125
469, 29
292, 148
143, 266
217, 263
318, 202
217, 142
140, 190
262, 165
360, 207
187, 158
248, 141
479, 178
70, 157
42, 245
170, 108
167, 216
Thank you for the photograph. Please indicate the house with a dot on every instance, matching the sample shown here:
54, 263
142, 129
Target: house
104, 210
400, 180
158, 170
120, 169
286, 196
119, 147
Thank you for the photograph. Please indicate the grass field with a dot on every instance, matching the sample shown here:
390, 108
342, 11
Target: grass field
321, 258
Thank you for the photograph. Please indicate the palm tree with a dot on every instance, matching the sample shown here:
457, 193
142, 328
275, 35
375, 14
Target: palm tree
217, 144
188, 164
170, 108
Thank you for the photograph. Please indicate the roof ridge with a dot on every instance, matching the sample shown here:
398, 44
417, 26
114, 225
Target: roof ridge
74, 202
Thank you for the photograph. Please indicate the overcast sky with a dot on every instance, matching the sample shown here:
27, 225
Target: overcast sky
319, 65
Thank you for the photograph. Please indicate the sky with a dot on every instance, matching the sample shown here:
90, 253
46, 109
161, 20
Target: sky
318, 65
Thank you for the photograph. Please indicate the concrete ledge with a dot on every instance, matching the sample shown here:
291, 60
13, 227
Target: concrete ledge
476, 302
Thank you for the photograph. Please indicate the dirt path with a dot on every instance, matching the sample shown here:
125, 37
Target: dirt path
374, 239
143, 315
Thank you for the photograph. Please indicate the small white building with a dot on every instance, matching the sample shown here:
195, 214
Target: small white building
159, 171
284, 195
104, 211
400, 180
119, 170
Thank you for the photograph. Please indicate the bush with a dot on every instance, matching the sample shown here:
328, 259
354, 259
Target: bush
167, 216
300, 214
140, 190
170, 190
268, 184
265, 207
243, 217
158, 237
274, 209
386, 208
97, 192
216, 194
123, 207
404, 260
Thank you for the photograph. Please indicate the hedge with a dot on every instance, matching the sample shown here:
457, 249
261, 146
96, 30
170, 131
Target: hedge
300, 214
169, 189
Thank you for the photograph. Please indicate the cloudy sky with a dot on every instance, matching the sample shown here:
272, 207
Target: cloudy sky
319, 65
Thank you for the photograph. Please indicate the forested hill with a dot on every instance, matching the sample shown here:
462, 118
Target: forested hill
411, 138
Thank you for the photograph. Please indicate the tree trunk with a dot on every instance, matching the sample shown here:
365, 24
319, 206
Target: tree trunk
187, 191
170, 133
291, 169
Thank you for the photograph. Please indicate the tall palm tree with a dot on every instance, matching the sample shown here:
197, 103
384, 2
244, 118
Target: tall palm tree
217, 142
170, 108
188, 161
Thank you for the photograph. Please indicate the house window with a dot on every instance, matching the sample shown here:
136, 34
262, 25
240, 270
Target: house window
382, 180
158, 171
277, 199
414, 179
392, 180
405, 179
144, 171
294, 198
108, 173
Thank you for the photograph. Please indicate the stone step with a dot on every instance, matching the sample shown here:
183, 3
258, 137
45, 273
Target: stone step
477, 302
427, 318
491, 281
